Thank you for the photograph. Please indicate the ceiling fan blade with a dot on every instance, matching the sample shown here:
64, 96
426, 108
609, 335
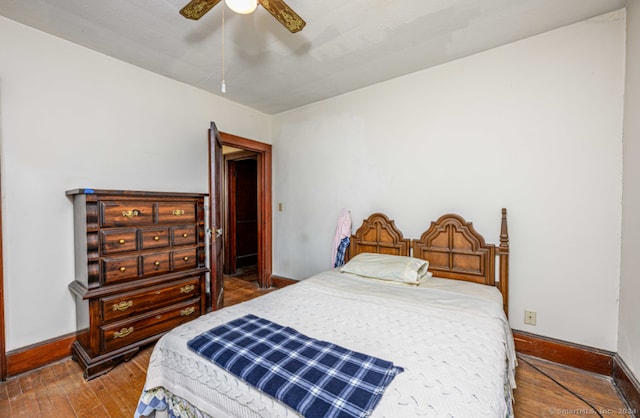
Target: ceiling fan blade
285, 15
198, 8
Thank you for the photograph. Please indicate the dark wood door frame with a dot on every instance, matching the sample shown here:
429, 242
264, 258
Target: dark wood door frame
263, 157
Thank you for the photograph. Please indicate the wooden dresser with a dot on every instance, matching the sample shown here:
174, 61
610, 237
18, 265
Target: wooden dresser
140, 270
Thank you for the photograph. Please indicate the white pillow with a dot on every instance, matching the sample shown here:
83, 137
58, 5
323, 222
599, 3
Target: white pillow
393, 268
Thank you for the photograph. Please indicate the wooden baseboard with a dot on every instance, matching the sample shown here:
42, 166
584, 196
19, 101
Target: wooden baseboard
570, 354
40, 354
627, 383
281, 282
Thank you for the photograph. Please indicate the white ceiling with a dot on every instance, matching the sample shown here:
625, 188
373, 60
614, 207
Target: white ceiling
346, 44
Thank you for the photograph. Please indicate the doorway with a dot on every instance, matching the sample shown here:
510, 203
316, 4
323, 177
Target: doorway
261, 153
241, 211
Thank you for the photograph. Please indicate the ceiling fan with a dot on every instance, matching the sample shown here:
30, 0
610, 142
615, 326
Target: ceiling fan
278, 9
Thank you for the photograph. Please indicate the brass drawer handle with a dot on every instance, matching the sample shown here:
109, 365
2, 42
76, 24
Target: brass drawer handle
123, 333
185, 235
156, 238
188, 311
121, 241
157, 263
130, 213
185, 258
123, 269
177, 212
187, 289
122, 306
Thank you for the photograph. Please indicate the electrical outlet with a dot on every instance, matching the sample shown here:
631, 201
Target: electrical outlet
530, 317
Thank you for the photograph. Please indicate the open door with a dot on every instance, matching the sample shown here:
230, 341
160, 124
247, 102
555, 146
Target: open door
216, 259
262, 153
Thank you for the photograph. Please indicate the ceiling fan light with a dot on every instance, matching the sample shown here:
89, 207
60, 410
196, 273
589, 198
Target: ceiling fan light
242, 6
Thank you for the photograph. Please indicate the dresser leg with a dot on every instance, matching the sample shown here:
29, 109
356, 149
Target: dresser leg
97, 366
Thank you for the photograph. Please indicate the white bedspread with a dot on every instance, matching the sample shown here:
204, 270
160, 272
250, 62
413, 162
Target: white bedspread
452, 339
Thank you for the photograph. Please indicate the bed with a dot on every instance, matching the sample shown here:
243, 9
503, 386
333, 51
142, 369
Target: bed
444, 328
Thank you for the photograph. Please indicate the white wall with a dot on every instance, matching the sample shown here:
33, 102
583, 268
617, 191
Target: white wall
629, 332
69, 118
534, 126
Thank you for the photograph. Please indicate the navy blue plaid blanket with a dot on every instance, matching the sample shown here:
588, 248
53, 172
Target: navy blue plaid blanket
316, 378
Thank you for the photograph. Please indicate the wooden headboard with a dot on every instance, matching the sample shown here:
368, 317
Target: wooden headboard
454, 249
378, 234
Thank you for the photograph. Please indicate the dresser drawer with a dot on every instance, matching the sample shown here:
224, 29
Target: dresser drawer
122, 333
185, 259
184, 235
121, 268
141, 301
156, 263
126, 213
118, 240
155, 237
176, 212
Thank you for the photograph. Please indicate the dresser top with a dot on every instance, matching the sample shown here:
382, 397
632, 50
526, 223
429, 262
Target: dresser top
130, 193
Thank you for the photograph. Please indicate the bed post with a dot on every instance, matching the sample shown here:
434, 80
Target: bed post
503, 252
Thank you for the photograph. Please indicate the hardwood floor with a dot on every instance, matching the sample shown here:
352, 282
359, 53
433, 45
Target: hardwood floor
242, 286
539, 396
58, 390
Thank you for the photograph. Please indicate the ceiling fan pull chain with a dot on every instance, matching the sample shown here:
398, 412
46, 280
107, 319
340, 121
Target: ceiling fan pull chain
223, 86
